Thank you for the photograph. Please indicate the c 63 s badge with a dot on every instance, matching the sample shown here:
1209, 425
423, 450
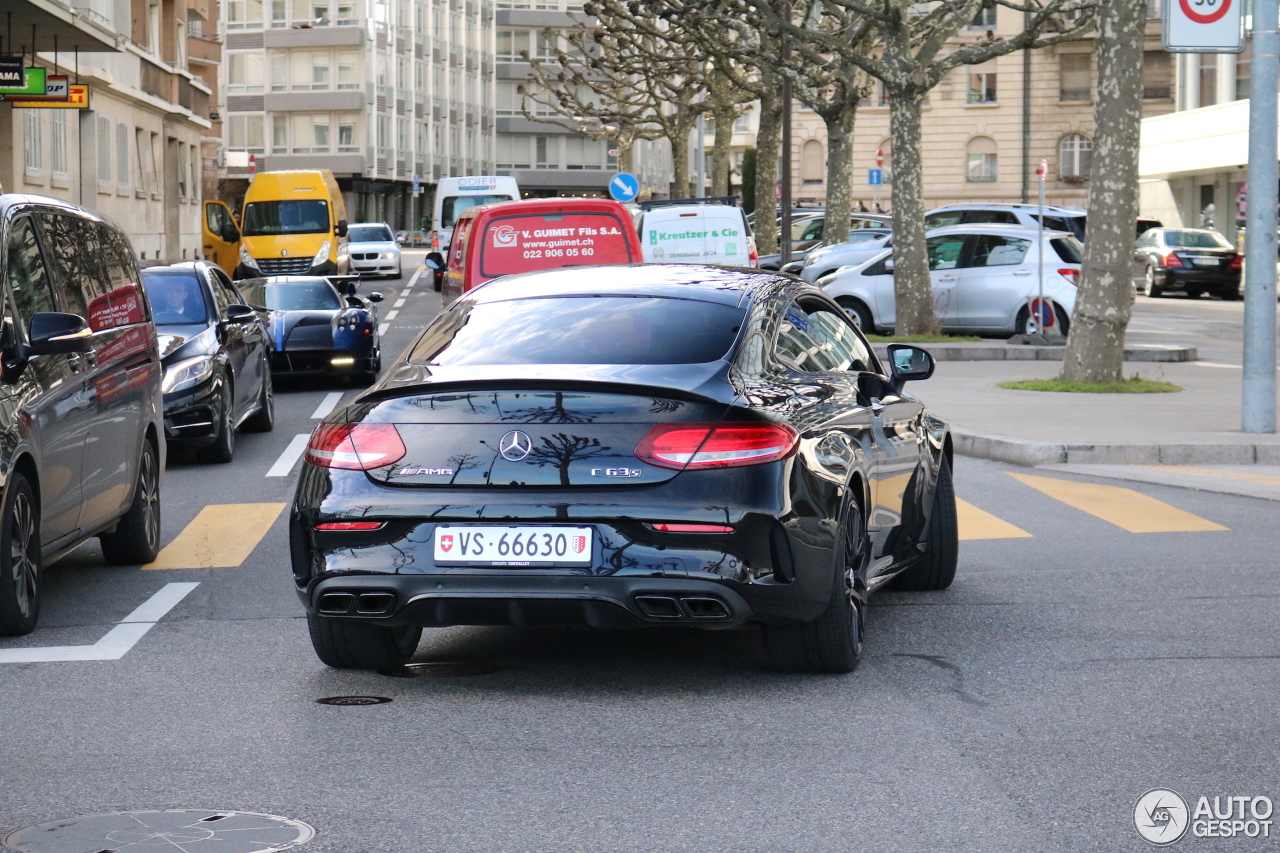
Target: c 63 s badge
425, 472
615, 472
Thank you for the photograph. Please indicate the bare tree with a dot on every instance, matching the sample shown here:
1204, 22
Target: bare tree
1095, 349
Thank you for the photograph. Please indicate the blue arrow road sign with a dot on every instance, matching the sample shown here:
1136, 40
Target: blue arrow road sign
417, 184
624, 187
875, 177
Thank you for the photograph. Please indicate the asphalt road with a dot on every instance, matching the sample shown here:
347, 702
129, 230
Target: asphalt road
1074, 665
1213, 326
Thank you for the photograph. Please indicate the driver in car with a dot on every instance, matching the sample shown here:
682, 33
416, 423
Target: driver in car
174, 297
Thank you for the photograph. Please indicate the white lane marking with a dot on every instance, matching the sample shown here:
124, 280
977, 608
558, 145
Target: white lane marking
1218, 364
284, 465
414, 278
391, 315
327, 405
118, 641
382, 329
399, 303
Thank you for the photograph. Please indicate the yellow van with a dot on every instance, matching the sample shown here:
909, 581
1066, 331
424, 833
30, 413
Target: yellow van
294, 223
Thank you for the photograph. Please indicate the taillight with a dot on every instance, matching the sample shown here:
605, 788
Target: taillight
690, 528
355, 447
351, 525
1237, 262
681, 446
1172, 260
1071, 275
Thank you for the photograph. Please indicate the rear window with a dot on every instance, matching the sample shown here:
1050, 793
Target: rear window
1196, 240
527, 242
581, 330
453, 206
1069, 249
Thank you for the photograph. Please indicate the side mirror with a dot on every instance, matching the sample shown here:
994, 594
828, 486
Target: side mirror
888, 264
435, 260
376, 296
54, 332
240, 314
908, 364
341, 230
229, 233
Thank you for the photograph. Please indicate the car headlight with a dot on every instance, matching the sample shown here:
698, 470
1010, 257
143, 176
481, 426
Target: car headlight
388, 255
247, 259
187, 373
812, 258
322, 255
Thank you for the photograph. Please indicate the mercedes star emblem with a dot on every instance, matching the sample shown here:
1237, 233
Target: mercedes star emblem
515, 446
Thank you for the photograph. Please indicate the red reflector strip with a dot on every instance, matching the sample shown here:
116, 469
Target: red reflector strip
351, 525
690, 528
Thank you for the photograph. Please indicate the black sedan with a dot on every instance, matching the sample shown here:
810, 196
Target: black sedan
637, 446
317, 328
216, 358
1192, 260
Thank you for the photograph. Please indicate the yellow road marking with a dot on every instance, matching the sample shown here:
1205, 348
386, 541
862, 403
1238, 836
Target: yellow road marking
1217, 473
222, 536
1122, 507
979, 524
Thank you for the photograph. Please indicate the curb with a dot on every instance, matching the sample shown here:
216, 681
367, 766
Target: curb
1005, 352
1020, 451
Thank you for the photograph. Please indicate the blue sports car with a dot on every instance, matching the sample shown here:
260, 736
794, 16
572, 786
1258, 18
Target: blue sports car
318, 325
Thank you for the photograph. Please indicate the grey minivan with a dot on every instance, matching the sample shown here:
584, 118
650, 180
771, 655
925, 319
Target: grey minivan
81, 420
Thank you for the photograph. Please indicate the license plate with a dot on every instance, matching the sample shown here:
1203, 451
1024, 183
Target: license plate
514, 546
1206, 262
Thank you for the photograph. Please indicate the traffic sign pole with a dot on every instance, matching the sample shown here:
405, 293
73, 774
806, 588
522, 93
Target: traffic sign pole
1041, 173
1258, 409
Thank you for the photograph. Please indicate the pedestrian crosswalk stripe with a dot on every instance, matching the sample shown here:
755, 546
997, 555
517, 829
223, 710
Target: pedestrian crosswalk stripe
979, 524
1219, 473
1125, 508
221, 536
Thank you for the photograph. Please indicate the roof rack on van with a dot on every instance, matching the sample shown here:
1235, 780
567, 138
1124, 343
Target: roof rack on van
731, 200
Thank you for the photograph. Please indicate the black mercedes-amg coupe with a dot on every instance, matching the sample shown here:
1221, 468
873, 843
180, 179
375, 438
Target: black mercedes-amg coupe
623, 447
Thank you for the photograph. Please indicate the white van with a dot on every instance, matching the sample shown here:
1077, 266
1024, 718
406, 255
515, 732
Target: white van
697, 234
454, 195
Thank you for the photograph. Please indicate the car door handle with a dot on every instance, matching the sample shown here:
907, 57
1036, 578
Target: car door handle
946, 278
1022, 272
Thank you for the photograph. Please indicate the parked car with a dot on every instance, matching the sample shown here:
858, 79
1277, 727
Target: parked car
983, 277
1057, 218
81, 445
317, 328
374, 250
804, 241
1192, 260
695, 231
862, 244
657, 445
216, 357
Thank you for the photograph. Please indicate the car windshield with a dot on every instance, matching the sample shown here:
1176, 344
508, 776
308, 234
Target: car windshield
860, 236
1069, 249
369, 234
177, 298
453, 206
1196, 239
581, 330
266, 218
314, 295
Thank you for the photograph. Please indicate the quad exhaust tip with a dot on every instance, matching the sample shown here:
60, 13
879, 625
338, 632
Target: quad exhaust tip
695, 607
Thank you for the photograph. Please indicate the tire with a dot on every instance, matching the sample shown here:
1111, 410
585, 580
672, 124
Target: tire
1023, 326
833, 642
344, 644
936, 568
399, 272
1195, 292
20, 563
1154, 290
859, 313
136, 539
1232, 295
263, 420
223, 449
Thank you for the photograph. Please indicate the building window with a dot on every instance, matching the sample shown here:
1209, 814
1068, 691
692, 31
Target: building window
583, 153
311, 70
244, 133
244, 72
347, 60
310, 134
1207, 64
280, 134
511, 43
513, 152
122, 155
347, 134
980, 160
194, 156
58, 143
104, 151
742, 124
142, 144
1074, 73
1244, 62
548, 46
182, 170
986, 17
812, 162
244, 14
1073, 157
1157, 75
546, 152
32, 141
402, 134
509, 98
982, 86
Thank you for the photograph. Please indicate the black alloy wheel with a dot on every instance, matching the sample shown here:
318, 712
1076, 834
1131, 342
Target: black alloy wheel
263, 420
833, 642
136, 539
1154, 290
858, 313
936, 567
20, 559
347, 644
223, 449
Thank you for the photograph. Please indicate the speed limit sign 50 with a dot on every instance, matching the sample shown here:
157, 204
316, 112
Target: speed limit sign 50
1203, 26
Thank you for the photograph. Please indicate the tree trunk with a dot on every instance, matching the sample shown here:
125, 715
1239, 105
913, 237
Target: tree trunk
748, 184
839, 171
720, 159
1095, 350
680, 163
624, 153
768, 141
912, 288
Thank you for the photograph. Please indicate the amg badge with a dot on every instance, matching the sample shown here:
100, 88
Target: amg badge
425, 472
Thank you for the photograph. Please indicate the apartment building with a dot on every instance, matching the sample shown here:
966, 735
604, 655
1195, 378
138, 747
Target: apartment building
974, 120
378, 91
134, 154
555, 157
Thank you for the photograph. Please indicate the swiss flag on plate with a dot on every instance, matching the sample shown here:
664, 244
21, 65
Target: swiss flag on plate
446, 542
579, 542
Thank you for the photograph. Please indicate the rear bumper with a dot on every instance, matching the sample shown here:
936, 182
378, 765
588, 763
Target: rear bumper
319, 361
1180, 279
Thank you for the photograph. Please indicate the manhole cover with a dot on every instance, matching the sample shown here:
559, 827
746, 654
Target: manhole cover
354, 700
441, 670
192, 830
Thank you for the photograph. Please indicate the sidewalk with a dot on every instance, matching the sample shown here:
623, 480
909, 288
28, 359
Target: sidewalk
1195, 427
